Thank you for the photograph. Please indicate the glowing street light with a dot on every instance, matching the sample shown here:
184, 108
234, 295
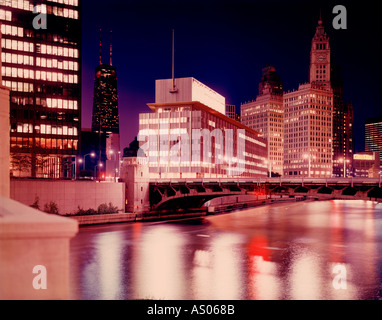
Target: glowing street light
99, 165
342, 160
91, 154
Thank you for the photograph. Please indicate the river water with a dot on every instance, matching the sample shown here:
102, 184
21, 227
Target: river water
305, 250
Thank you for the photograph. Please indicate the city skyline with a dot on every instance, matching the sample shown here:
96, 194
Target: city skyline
221, 50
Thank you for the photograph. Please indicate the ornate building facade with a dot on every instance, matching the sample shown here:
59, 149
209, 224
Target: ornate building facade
308, 117
266, 116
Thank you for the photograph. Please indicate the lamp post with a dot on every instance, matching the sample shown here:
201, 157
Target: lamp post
119, 164
344, 160
100, 165
92, 154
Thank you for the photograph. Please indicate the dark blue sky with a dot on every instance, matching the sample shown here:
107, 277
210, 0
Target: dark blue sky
225, 45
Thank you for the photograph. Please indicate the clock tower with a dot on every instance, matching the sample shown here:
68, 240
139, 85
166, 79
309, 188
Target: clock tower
320, 58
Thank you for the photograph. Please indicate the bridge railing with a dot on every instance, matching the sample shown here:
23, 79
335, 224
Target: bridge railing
263, 180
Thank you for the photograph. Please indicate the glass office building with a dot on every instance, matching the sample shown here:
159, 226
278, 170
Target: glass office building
41, 65
192, 140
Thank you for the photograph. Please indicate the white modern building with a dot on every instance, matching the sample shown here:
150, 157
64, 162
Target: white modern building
188, 135
188, 89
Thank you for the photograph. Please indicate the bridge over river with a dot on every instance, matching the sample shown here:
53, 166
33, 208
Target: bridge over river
185, 194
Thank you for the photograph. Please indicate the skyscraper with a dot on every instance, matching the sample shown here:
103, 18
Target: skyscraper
42, 67
343, 141
308, 117
373, 135
265, 115
105, 118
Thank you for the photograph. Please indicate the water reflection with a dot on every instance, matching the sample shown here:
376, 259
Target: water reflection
158, 264
227, 282
109, 263
263, 279
289, 251
305, 278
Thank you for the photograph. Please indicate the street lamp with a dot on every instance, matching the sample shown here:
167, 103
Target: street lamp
119, 164
100, 165
344, 162
92, 154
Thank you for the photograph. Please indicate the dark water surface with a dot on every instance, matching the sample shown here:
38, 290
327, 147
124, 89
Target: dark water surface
306, 250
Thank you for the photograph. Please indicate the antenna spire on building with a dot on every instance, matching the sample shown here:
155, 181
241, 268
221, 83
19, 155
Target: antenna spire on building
100, 46
173, 89
111, 47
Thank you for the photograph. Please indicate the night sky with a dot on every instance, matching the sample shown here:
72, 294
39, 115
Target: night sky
225, 45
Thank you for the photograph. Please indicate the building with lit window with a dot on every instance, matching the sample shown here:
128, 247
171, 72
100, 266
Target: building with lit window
42, 67
308, 132
343, 139
308, 117
366, 165
190, 139
265, 115
373, 135
105, 117
230, 111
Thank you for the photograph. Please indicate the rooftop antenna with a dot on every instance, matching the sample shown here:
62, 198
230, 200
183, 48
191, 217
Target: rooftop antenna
173, 89
100, 46
111, 47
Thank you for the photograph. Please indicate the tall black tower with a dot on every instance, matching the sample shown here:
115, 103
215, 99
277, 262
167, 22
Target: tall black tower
105, 118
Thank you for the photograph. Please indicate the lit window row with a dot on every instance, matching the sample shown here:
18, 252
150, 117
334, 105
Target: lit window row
5, 15
62, 104
12, 30
17, 45
58, 130
40, 62
18, 86
67, 2
46, 129
62, 12
56, 77
59, 51
44, 143
163, 120
18, 4
17, 73
17, 58
54, 63
40, 75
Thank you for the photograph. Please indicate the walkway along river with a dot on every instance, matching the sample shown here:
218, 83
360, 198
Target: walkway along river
304, 250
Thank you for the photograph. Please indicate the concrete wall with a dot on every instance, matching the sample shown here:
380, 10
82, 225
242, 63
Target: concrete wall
68, 194
34, 253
